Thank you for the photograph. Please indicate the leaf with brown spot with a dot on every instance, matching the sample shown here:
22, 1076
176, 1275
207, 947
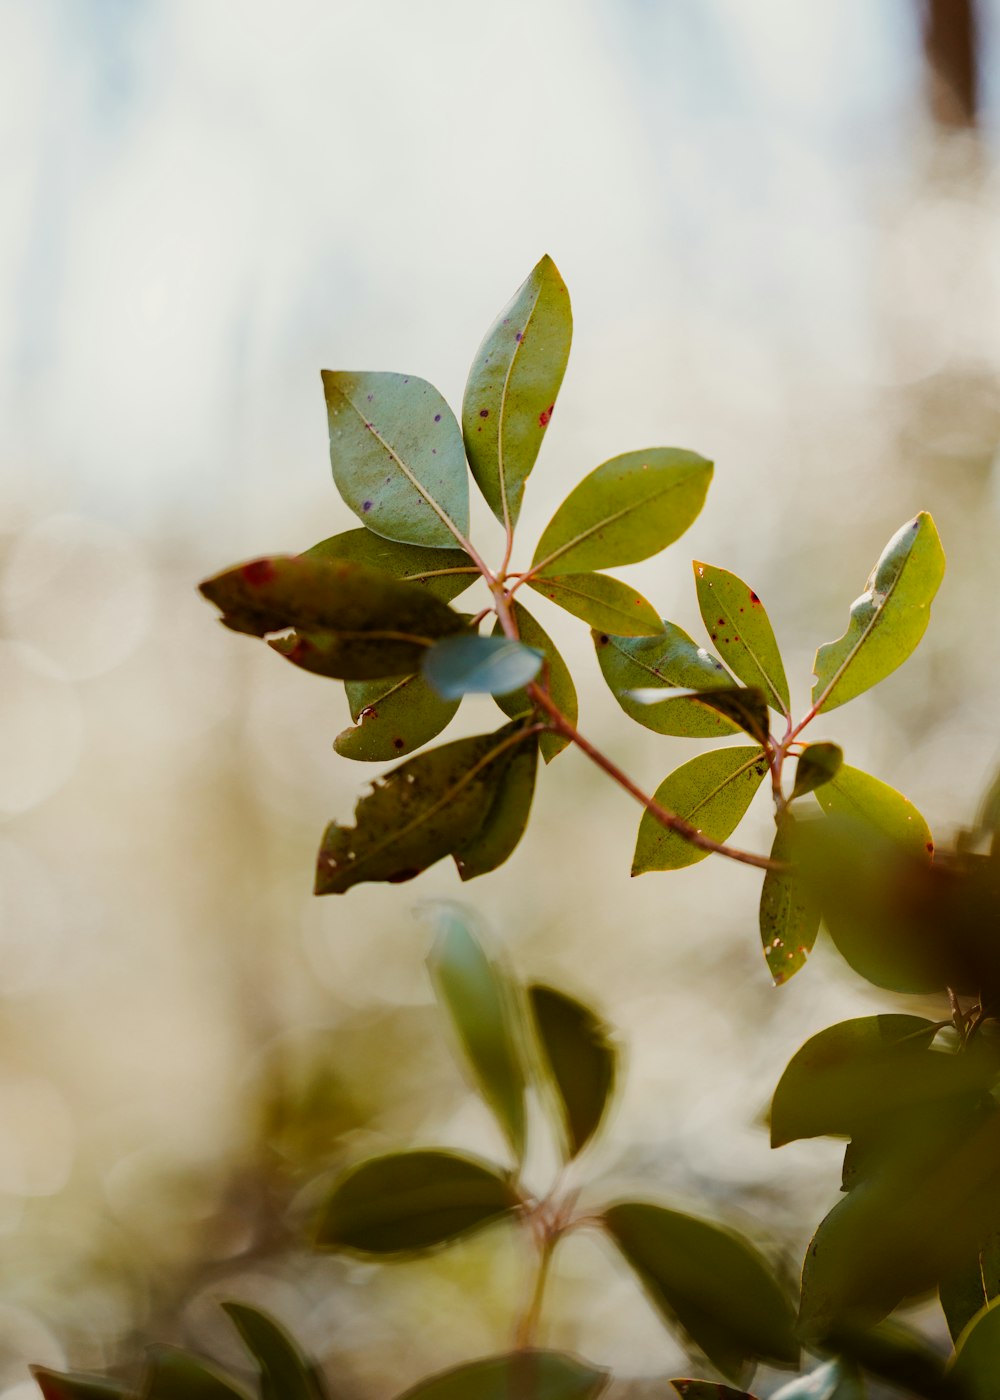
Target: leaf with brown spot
392, 717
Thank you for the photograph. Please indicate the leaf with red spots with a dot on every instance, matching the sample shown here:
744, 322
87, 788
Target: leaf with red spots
740, 629
556, 676
444, 572
604, 602
711, 792
397, 456
627, 509
392, 717
512, 388
789, 912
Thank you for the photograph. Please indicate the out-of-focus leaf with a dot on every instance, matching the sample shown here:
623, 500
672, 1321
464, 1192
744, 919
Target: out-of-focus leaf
975, 1367
689, 1389
893, 1353
581, 1061
711, 792
860, 797
427, 808
889, 618
474, 665
789, 911
409, 1201
665, 662
173, 1374
444, 572
818, 764
710, 1281
512, 388
479, 997
740, 628
526, 1375
835, 1380
505, 822
625, 510
397, 455
602, 601
560, 682
285, 1374
392, 717
70, 1385
972, 1286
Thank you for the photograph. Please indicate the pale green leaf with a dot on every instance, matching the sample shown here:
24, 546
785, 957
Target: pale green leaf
668, 661
474, 665
857, 795
740, 628
392, 717
889, 618
711, 792
604, 602
512, 388
398, 457
444, 572
556, 677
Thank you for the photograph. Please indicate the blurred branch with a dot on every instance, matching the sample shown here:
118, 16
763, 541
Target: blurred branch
951, 46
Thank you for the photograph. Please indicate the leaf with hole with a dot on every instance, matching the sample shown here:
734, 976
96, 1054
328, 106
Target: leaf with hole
665, 662
392, 717
474, 665
627, 509
444, 572
556, 676
604, 602
889, 618
285, 1373
429, 807
711, 793
580, 1060
789, 914
526, 1374
817, 764
710, 1282
410, 1201
397, 455
740, 628
512, 388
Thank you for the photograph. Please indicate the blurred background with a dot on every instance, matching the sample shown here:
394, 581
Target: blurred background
780, 226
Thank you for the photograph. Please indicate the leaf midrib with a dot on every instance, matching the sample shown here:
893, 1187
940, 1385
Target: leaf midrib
540, 584
740, 632
720, 787
501, 471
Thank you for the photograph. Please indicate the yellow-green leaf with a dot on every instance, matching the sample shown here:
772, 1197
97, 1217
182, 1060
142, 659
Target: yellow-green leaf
711, 792
665, 662
740, 628
789, 911
857, 795
392, 717
604, 602
817, 764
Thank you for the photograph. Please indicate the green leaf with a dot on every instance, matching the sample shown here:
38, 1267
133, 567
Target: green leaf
474, 665
408, 1201
560, 682
626, 510
581, 1061
970, 1288
889, 618
285, 1374
975, 1367
480, 999
602, 601
708, 1390
857, 795
893, 1353
745, 706
392, 717
835, 1380
505, 822
427, 808
398, 457
173, 1374
666, 662
444, 572
850, 1076
739, 626
818, 764
512, 388
70, 1385
711, 792
789, 911
528, 1375
710, 1281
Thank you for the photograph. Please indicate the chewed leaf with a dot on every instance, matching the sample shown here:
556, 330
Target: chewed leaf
889, 618
670, 670
581, 1060
398, 457
533, 1375
789, 912
512, 388
711, 793
857, 795
602, 601
556, 675
392, 717
818, 764
626, 510
444, 572
740, 628
470, 664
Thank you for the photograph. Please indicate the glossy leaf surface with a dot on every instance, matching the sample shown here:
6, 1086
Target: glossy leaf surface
418, 813
712, 792
173, 1374
581, 1061
397, 455
513, 385
740, 628
817, 764
507, 816
410, 1201
285, 1374
976, 1364
857, 795
474, 665
528, 1375
627, 509
557, 676
479, 997
444, 572
392, 717
789, 913
711, 1282
972, 1286
889, 618
604, 602
666, 662
72, 1385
